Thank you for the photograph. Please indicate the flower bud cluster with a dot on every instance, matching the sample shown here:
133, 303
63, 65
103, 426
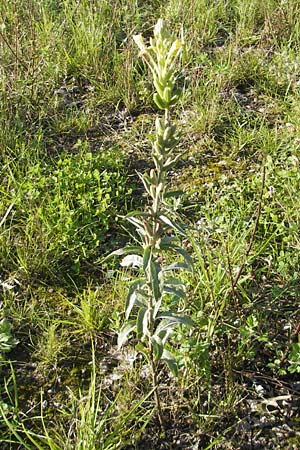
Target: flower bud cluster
161, 56
165, 140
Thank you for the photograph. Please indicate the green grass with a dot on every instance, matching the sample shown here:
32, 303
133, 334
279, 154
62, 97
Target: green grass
76, 108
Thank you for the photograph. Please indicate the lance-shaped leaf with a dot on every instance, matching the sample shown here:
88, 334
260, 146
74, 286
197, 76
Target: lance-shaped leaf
176, 266
136, 222
135, 296
179, 318
126, 329
158, 162
174, 282
158, 86
142, 323
171, 320
132, 260
160, 126
125, 251
158, 346
185, 255
168, 357
165, 326
135, 213
163, 334
173, 285
155, 269
147, 257
172, 224
159, 101
156, 307
146, 181
175, 194
175, 291
167, 242
169, 145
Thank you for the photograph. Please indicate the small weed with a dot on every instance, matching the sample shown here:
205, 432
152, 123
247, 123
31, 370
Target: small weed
7, 341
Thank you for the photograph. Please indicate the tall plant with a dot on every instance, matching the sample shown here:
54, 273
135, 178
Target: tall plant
157, 229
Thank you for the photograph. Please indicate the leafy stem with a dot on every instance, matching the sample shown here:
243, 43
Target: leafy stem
156, 227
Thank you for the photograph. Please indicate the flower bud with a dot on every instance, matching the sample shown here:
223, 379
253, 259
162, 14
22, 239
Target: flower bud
139, 40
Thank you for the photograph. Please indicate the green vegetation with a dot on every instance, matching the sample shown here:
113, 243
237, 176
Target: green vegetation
155, 226
76, 115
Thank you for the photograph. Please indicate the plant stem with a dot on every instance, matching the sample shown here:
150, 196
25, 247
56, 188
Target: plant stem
155, 229
155, 385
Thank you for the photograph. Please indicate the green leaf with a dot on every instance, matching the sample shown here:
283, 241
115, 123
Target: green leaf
142, 322
146, 181
158, 161
126, 329
184, 319
159, 126
168, 357
131, 301
147, 257
174, 282
175, 287
176, 266
156, 307
159, 101
163, 335
158, 346
125, 251
170, 162
167, 242
132, 260
171, 320
176, 194
135, 213
178, 292
135, 296
172, 224
136, 222
155, 269
166, 325
5, 327
158, 86
7, 341
133, 219
141, 348
185, 255
167, 94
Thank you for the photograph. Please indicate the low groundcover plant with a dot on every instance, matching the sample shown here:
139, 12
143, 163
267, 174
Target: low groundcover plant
158, 232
